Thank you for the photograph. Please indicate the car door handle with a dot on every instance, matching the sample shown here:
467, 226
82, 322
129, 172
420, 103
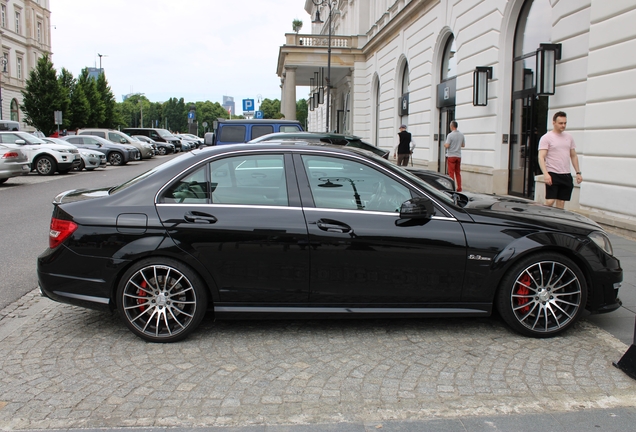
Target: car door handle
198, 217
333, 226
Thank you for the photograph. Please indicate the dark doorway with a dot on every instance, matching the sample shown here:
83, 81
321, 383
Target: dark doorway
446, 115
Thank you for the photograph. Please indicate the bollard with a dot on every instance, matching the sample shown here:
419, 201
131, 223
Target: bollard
627, 363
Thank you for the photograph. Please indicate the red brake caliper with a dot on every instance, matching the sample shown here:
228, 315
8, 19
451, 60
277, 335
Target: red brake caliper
142, 293
522, 289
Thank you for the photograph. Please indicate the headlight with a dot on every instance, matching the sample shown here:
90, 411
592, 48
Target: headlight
64, 151
446, 183
602, 241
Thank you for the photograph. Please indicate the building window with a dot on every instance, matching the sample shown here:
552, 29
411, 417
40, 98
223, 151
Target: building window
4, 16
17, 22
5, 62
15, 111
19, 68
39, 32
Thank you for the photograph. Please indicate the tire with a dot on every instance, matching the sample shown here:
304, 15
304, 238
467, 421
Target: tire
161, 151
81, 166
542, 295
161, 300
45, 165
116, 158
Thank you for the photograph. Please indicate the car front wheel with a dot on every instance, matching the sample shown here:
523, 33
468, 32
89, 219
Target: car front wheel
542, 295
161, 151
45, 165
116, 159
161, 300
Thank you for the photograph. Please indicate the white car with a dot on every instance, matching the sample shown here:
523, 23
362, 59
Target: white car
46, 158
91, 159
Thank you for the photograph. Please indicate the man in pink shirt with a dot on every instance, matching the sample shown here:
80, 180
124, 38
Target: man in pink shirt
556, 150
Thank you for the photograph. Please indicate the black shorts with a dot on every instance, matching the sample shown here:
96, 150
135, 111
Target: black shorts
561, 188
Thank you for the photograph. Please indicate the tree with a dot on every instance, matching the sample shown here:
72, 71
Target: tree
108, 100
297, 25
96, 113
302, 111
42, 96
67, 84
271, 109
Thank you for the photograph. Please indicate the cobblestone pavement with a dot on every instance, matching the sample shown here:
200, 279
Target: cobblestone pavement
66, 367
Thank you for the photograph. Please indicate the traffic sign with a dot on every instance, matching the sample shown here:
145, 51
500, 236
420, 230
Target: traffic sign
248, 104
258, 115
191, 115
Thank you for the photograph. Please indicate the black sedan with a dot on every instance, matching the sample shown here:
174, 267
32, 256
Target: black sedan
267, 230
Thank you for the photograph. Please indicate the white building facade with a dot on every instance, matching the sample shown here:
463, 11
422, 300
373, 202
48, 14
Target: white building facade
25, 36
414, 62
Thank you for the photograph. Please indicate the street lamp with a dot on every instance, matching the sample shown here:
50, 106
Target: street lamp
100, 61
317, 20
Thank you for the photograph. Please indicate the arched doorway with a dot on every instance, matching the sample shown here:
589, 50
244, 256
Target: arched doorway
529, 119
15, 110
446, 98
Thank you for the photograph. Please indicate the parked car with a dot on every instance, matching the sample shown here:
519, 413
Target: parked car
195, 138
91, 159
194, 143
157, 134
116, 154
161, 148
436, 179
45, 158
227, 131
13, 162
271, 229
330, 138
145, 150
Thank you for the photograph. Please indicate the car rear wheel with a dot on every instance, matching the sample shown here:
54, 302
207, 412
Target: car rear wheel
161, 300
542, 295
116, 159
45, 165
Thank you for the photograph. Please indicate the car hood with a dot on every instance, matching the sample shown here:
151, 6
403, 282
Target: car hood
523, 210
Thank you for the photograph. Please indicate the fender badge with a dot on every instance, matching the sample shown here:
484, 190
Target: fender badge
478, 258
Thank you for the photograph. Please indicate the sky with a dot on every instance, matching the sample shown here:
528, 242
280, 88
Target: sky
196, 49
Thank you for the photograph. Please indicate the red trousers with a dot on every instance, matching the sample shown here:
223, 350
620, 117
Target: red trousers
454, 170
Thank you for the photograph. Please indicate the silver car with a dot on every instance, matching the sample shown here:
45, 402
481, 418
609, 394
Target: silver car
91, 159
13, 163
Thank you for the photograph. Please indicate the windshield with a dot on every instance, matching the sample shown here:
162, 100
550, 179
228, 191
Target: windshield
30, 139
163, 133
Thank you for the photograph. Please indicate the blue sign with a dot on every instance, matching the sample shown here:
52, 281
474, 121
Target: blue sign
258, 115
248, 104
191, 115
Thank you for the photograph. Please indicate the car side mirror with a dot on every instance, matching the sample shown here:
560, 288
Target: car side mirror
21, 142
418, 208
123, 141
209, 138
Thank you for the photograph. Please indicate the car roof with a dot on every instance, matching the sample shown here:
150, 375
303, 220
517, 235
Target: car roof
257, 121
310, 135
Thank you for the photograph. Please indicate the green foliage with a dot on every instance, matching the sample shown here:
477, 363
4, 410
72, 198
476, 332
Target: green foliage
42, 96
302, 112
208, 112
271, 109
97, 112
297, 25
108, 100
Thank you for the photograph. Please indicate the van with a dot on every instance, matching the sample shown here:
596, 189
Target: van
156, 134
244, 130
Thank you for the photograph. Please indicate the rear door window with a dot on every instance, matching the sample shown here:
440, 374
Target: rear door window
232, 134
261, 130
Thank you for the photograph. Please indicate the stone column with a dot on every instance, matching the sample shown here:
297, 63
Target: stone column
288, 104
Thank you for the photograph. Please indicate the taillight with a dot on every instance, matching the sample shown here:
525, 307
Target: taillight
8, 155
60, 231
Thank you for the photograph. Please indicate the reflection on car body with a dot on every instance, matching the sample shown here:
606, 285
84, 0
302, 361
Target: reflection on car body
263, 230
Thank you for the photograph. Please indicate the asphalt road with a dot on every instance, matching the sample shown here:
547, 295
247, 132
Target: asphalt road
25, 215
